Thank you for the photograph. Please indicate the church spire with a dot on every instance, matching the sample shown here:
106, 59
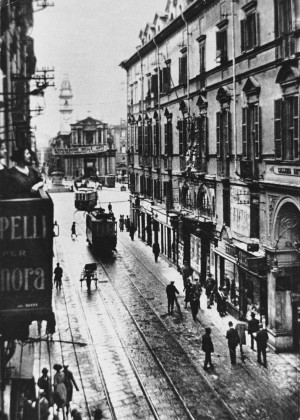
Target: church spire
66, 107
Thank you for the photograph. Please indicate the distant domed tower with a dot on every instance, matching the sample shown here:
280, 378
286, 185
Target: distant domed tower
66, 107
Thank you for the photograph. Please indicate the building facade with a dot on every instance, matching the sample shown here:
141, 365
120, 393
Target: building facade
86, 151
17, 67
213, 149
119, 137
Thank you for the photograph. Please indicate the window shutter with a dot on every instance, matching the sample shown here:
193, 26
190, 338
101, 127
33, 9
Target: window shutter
218, 122
180, 70
149, 127
166, 79
170, 138
257, 30
184, 69
243, 26
166, 139
180, 134
245, 151
227, 132
206, 150
278, 108
296, 126
154, 85
257, 134
146, 138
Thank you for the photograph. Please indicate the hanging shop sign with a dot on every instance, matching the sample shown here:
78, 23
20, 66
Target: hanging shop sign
195, 253
26, 252
240, 210
180, 254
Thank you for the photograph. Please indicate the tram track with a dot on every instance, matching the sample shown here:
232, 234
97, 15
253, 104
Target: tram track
215, 337
136, 353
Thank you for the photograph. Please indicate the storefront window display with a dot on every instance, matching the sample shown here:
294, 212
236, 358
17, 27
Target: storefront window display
231, 283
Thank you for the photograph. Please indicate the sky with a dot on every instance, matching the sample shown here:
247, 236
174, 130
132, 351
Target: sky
87, 40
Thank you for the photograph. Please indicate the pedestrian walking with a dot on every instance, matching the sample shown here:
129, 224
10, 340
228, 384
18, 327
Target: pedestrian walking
58, 273
171, 295
88, 278
262, 340
156, 250
127, 224
210, 287
132, 230
186, 271
207, 347
188, 290
233, 340
44, 384
253, 327
195, 299
121, 223
60, 391
109, 207
241, 328
69, 381
50, 326
73, 230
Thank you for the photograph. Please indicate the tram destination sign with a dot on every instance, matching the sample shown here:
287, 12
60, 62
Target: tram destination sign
26, 252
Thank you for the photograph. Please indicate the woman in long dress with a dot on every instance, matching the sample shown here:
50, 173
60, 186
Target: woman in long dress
60, 391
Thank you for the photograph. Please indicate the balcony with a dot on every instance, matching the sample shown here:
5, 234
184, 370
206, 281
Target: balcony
168, 163
141, 161
201, 165
182, 163
156, 162
148, 161
223, 169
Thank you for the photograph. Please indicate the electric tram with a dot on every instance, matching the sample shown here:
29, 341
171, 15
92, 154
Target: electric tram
101, 230
86, 199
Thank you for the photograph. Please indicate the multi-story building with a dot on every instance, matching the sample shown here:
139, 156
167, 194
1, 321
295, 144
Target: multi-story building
84, 148
17, 66
86, 151
119, 137
214, 170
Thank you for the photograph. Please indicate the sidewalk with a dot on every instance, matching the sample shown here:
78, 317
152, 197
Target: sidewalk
251, 391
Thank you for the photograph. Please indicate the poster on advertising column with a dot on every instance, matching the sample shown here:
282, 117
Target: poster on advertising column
196, 253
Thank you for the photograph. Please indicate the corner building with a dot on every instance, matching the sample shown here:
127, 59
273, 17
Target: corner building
213, 149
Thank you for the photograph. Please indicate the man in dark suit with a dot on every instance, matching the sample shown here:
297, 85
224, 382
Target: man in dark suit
233, 340
207, 347
261, 340
171, 295
253, 327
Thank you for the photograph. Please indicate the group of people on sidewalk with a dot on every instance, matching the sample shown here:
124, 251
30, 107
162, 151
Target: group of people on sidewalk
62, 393
236, 336
129, 226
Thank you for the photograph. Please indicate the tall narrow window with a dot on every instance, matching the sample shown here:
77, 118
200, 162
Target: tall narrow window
286, 126
182, 128
156, 134
183, 69
223, 134
169, 137
249, 31
221, 41
165, 80
140, 138
202, 54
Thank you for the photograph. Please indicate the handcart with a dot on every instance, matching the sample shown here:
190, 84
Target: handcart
89, 274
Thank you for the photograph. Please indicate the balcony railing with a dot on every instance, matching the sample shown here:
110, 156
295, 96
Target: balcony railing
168, 163
141, 161
201, 165
148, 161
223, 168
156, 162
182, 163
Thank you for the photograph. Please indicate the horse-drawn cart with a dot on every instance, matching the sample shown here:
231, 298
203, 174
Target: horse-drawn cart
89, 274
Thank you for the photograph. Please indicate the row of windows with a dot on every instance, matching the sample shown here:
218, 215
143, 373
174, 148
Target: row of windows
249, 38
145, 137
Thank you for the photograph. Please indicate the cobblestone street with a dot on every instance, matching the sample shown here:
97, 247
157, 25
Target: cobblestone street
133, 360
